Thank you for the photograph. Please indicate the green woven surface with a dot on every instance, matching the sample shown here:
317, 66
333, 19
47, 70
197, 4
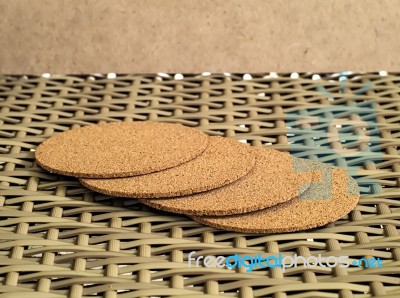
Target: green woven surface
58, 239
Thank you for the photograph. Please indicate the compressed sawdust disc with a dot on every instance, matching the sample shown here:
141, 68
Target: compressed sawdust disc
223, 162
324, 202
273, 180
120, 149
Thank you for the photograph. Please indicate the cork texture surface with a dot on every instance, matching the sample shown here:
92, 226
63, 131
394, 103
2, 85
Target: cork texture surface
120, 149
273, 180
316, 207
224, 161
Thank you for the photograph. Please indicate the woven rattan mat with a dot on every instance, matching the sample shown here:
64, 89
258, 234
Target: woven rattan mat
59, 239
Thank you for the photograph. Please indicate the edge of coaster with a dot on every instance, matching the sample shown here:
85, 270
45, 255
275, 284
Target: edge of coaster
217, 197
352, 190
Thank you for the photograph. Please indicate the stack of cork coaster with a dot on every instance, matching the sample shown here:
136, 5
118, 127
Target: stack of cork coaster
216, 181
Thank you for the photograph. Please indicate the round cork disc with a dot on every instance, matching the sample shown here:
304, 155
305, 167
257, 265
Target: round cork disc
322, 203
273, 180
224, 161
120, 149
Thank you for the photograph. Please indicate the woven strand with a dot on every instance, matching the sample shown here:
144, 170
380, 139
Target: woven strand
58, 239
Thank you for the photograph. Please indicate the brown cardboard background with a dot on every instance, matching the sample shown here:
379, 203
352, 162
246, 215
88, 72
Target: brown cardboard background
78, 36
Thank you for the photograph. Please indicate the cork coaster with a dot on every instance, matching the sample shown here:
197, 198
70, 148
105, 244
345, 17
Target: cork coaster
273, 180
224, 161
120, 149
322, 203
